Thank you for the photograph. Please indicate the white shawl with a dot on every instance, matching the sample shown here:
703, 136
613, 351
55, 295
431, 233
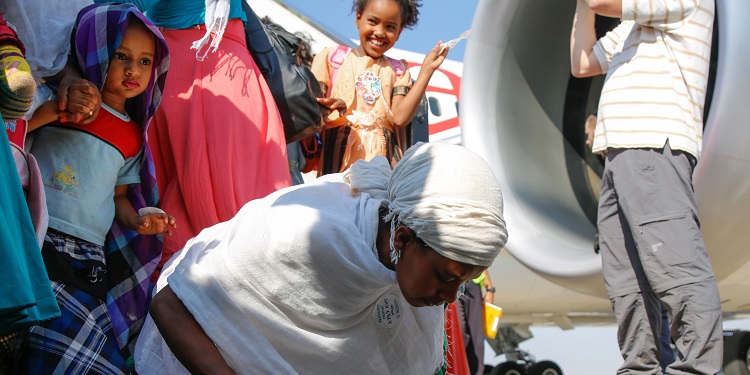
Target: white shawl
292, 285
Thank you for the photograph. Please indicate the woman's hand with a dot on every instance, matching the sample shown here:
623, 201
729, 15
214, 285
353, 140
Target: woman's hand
79, 100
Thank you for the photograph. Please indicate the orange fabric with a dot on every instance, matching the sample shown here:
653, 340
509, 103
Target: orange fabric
217, 137
458, 364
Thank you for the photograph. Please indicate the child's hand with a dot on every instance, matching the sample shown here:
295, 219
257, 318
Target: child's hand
79, 101
155, 224
435, 58
334, 104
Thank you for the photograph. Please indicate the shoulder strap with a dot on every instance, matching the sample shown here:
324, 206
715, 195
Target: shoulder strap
336, 57
35, 198
398, 66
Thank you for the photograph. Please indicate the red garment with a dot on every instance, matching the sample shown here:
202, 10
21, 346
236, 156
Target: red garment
458, 364
17, 132
126, 137
8, 36
217, 137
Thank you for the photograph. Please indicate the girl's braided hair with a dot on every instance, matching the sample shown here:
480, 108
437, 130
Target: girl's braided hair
409, 10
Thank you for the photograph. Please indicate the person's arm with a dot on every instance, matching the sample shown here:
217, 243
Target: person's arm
185, 336
46, 113
583, 61
669, 16
489, 295
81, 102
609, 8
590, 130
144, 225
404, 107
88, 98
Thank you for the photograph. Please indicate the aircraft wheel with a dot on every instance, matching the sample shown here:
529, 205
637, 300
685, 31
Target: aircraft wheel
737, 353
545, 368
508, 368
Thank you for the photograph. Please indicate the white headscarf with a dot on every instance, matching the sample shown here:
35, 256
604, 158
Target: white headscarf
446, 194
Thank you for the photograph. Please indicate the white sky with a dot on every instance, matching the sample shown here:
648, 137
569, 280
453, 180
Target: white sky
583, 350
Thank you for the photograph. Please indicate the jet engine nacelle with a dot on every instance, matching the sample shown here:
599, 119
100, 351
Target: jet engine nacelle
524, 113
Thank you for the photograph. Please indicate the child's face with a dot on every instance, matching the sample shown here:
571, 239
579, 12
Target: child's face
130, 69
379, 26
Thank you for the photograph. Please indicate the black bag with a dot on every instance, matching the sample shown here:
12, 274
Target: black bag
293, 86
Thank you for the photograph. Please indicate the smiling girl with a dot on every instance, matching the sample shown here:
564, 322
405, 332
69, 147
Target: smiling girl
370, 95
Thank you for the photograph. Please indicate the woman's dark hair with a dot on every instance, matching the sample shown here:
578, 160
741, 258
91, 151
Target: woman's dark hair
409, 10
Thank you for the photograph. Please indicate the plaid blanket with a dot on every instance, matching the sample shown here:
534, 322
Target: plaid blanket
79, 342
131, 258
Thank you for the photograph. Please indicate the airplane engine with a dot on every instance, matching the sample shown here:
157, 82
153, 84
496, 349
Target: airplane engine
523, 112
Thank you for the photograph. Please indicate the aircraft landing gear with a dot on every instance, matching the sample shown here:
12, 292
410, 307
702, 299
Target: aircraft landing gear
737, 352
545, 368
519, 362
523, 363
509, 368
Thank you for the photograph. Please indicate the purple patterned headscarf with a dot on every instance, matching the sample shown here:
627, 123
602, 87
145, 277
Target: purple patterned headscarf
131, 258
99, 31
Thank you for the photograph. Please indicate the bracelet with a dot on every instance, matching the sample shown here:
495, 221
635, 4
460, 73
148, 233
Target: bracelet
491, 290
400, 90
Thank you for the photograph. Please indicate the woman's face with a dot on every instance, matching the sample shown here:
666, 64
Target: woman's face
425, 277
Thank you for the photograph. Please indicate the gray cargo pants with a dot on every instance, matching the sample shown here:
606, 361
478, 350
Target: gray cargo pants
652, 250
